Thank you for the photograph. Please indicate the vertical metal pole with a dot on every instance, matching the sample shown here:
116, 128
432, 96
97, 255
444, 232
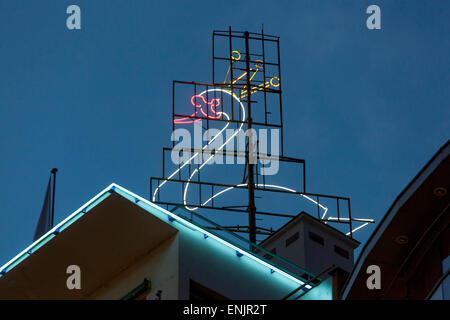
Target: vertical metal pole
54, 171
350, 218
281, 101
231, 74
264, 76
199, 185
212, 195
163, 164
318, 207
173, 110
251, 183
207, 109
304, 176
338, 210
213, 74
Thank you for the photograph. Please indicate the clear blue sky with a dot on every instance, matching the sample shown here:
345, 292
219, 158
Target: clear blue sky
371, 107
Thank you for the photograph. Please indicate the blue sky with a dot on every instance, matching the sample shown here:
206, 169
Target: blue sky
365, 109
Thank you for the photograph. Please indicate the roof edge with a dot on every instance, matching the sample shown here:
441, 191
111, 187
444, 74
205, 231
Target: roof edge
49, 235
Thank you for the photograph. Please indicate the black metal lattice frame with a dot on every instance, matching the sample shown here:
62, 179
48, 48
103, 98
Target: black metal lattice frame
252, 229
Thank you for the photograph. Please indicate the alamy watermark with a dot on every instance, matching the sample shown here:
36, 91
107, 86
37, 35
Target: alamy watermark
373, 22
227, 146
74, 280
73, 22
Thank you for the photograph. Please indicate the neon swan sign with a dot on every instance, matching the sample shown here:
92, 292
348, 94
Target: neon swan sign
212, 113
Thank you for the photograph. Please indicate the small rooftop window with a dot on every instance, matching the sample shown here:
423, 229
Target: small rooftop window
316, 238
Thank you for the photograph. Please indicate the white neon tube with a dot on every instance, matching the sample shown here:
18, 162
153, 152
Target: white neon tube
356, 229
325, 209
206, 145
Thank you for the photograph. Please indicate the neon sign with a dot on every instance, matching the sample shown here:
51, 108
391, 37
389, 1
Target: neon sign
213, 104
200, 103
237, 88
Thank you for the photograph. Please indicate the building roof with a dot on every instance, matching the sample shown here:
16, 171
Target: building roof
405, 233
126, 234
303, 216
